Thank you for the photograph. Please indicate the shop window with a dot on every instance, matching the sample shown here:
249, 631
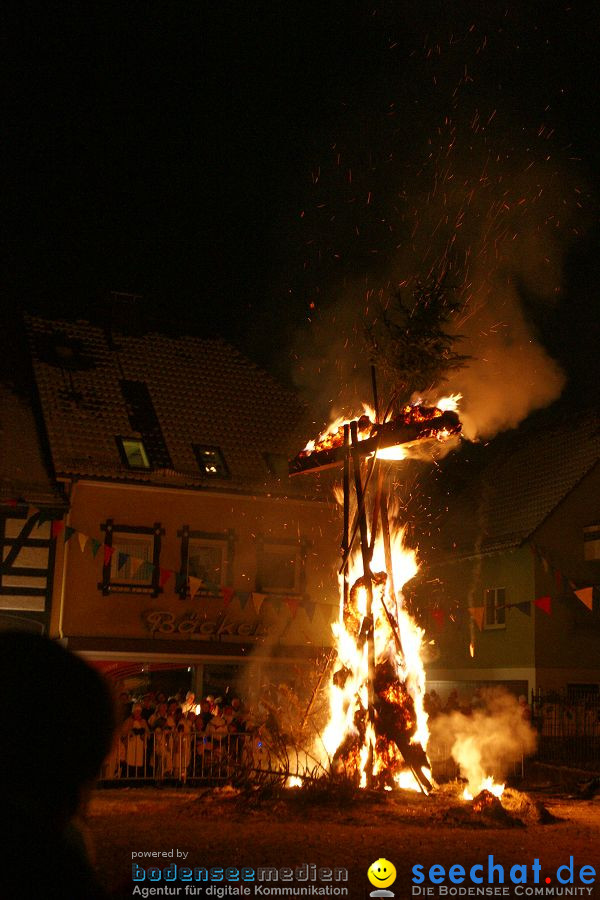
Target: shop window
134, 566
281, 566
495, 607
591, 542
207, 555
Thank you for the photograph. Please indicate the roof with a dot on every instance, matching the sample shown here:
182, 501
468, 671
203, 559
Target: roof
519, 481
23, 471
201, 392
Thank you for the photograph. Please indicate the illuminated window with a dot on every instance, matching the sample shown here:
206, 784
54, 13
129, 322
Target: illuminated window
495, 607
133, 453
211, 461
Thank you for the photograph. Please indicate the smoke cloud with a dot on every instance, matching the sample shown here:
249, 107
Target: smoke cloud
477, 195
489, 740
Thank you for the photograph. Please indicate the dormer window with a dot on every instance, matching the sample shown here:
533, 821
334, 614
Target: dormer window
133, 453
211, 461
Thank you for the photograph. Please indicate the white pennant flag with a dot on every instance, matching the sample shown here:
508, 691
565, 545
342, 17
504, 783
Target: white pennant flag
83, 539
257, 601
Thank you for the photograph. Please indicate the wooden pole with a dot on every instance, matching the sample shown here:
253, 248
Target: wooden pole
367, 580
346, 536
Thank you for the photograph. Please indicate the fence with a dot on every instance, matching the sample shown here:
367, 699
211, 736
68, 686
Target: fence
176, 756
568, 728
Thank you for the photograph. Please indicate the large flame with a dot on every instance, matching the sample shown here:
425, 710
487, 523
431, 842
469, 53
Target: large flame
402, 688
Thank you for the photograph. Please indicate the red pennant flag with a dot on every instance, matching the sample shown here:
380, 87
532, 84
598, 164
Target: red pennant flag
57, 527
438, 616
164, 576
477, 613
586, 595
108, 552
545, 604
228, 593
292, 604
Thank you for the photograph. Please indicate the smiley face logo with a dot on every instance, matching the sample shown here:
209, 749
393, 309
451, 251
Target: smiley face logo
381, 873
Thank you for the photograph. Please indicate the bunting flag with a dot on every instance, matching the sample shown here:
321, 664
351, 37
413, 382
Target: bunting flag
108, 552
243, 600
477, 613
228, 593
292, 604
257, 601
57, 527
545, 604
586, 595
195, 585
95, 545
525, 607
69, 532
135, 564
310, 609
83, 539
438, 617
121, 560
164, 576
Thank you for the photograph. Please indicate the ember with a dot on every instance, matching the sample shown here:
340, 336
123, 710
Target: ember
414, 423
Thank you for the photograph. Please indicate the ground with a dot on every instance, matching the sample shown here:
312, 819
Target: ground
218, 828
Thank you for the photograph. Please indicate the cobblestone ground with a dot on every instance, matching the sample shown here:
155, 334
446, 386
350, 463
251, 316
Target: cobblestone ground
217, 829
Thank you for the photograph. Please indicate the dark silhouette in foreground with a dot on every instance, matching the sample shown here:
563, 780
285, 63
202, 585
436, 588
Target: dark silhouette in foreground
51, 749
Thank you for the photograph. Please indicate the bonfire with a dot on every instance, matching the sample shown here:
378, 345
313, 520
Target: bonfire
377, 730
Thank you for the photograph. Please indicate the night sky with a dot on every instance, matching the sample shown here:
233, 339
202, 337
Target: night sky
240, 164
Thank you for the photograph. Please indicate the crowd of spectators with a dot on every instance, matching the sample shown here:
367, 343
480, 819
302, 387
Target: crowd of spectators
434, 706
161, 735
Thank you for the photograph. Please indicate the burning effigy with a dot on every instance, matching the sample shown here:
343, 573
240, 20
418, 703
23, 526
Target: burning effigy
377, 730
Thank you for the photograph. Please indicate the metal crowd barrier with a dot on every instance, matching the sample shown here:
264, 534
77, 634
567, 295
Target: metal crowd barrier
175, 756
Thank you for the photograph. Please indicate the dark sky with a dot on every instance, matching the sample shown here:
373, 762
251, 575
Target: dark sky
236, 162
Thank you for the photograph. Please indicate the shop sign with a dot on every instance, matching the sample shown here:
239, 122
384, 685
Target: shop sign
160, 621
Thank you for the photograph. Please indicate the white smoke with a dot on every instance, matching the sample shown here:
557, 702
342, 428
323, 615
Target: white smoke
488, 741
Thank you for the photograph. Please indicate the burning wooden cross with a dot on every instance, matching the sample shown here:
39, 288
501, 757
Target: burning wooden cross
384, 723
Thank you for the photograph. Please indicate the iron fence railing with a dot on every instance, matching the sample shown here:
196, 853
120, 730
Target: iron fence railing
568, 728
175, 755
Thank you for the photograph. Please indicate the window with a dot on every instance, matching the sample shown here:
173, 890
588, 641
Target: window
495, 608
207, 555
206, 560
591, 542
144, 421
211, 461
277, 464
130, 559
134, 565
281, 566
133, 453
